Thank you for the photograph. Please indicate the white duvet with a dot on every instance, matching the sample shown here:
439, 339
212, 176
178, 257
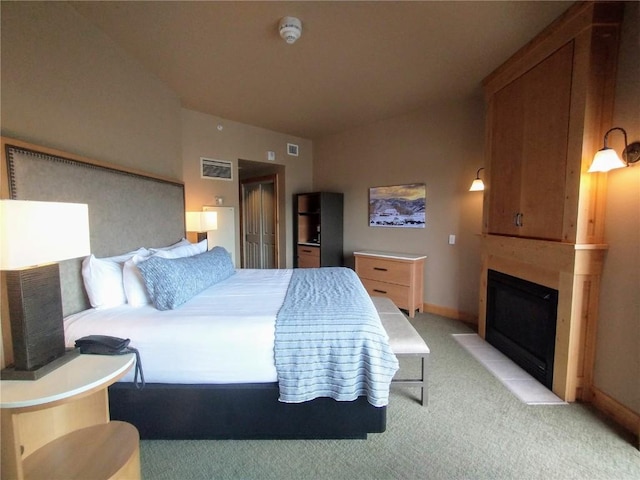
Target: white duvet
223, 335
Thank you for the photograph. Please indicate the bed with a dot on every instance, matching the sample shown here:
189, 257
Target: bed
237, 389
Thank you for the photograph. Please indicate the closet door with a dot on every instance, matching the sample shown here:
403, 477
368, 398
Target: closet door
259, 225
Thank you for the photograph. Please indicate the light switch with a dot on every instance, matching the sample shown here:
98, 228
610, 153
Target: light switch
452, 239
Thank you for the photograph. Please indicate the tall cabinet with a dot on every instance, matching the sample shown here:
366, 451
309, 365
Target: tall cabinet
549, 107
317, 229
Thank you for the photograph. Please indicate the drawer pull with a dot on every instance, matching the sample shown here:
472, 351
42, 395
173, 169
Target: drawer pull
379, 291
380, 269
306, 251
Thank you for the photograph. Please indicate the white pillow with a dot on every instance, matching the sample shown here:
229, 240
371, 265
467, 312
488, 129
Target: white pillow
184, 251
103, 279
134, 287
182, 242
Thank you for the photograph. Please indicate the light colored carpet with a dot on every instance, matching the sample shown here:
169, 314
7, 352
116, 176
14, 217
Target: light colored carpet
472, 428
519, 382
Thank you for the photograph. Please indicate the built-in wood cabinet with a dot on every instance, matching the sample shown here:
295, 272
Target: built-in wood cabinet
529, 121
549, 107
318, 229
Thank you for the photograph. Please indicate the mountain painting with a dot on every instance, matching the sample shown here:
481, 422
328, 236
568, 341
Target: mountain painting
398, 206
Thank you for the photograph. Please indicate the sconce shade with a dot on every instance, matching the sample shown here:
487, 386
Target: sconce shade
201, 221
605, 160
478, 184
36, 233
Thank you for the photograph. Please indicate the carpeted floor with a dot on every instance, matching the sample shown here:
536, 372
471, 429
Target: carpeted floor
473, 428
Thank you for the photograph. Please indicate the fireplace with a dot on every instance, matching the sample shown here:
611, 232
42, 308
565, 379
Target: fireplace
521, 323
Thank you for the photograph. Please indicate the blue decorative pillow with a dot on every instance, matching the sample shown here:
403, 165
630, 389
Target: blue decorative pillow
172, 281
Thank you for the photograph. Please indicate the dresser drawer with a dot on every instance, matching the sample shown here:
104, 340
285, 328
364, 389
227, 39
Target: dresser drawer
384, 270
308, 257
399, 294
308, 250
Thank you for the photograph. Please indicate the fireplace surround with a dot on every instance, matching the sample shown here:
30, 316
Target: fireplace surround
574, 271
521, 323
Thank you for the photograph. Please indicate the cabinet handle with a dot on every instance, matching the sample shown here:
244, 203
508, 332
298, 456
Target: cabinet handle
379, 291
306, 251
517, 219
380, 269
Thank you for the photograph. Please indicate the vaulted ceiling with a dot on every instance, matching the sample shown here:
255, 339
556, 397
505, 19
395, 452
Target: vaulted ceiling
357, 62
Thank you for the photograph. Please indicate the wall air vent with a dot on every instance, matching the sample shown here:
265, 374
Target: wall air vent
292, 149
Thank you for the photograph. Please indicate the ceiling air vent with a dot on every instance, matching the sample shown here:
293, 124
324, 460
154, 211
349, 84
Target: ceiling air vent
292, 149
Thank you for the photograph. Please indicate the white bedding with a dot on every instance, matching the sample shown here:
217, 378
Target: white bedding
223, 335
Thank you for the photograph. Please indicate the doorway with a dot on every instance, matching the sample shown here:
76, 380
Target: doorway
260, 212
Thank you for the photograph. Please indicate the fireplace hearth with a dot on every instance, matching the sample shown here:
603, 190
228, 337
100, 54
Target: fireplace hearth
521, 322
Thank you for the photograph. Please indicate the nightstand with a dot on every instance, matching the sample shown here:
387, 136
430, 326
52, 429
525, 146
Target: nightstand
58, 426
398, 276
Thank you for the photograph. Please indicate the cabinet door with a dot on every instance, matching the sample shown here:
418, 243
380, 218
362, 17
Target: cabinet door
529, 126
506, 137
547, 105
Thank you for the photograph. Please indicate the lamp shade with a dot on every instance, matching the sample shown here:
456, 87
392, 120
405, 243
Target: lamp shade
606, 159
477, 185
201, 221
34, 233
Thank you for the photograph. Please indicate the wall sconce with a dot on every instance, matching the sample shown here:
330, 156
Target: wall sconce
33, 236
607, 159
200, 223
478, 184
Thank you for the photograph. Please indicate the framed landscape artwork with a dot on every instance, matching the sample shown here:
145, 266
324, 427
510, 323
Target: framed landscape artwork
398, 206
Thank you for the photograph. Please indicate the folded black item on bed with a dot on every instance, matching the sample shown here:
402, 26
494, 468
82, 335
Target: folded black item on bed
106, 345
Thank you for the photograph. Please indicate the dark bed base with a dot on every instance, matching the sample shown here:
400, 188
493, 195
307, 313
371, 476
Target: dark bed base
242, 411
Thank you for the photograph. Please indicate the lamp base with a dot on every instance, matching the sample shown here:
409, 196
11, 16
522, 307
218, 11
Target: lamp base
10, 373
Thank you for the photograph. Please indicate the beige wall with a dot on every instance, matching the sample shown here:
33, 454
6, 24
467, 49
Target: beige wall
201, 137
65, 85
441, 146
617, 369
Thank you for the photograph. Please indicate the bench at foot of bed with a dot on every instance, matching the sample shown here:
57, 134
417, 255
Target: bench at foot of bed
405, 341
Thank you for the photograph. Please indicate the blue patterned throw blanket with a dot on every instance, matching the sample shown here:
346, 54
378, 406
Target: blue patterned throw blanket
329, 341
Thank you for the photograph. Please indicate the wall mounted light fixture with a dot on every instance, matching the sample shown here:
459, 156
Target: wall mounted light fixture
478, 184
607, 158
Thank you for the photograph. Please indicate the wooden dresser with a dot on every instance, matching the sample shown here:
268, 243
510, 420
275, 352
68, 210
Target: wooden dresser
398, 276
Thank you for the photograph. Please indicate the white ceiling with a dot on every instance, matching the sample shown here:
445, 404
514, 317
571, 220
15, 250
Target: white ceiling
357, 62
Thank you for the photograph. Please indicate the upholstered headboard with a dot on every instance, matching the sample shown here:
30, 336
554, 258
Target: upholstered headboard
127, 210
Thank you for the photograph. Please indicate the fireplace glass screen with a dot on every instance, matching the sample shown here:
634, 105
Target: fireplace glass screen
521, 323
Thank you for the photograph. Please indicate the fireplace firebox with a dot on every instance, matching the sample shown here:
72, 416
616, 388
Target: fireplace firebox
521, 323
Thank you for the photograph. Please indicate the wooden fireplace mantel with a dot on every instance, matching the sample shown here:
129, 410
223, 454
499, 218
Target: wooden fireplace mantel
574, 270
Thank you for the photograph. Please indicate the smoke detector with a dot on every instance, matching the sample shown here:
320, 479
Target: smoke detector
290, 29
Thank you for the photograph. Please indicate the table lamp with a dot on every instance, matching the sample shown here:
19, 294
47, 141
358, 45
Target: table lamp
33, 236
200, 223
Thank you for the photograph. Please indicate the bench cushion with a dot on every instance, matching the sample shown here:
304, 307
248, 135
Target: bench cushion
403, 338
